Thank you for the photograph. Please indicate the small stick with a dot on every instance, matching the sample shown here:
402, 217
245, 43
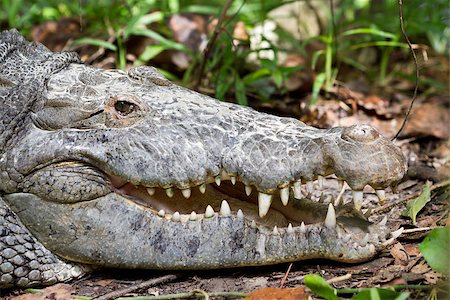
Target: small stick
420, 229
283, 280
416, 87
340, 278
142, 285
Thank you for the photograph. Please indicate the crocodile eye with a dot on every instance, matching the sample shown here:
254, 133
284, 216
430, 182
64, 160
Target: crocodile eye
125, 107
360, 133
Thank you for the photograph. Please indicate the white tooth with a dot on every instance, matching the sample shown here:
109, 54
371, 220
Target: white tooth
330, 219
320, 180
290, 230
381, 195
202, 188
151, 191
253, 224
186, 193
248, 190
169, 192
240, 214
309, 187
302, 228
193, 216
225, 209
397, 233
176, 216
364, 241
264, 201
233, 180
298, 190
161, 213
284, 195
275, 230
383, 221
387, 242
357, 199
217, 180
209, 212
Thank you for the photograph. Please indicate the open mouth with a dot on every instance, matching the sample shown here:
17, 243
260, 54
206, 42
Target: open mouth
224, 195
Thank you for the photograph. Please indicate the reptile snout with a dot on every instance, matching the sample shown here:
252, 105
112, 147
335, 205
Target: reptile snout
360, 133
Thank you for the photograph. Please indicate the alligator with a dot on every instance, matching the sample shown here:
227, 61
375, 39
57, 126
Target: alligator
114, 169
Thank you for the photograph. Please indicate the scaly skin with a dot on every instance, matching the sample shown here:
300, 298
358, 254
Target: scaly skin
91, 162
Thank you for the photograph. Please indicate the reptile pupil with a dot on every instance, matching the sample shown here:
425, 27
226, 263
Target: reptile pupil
124, 107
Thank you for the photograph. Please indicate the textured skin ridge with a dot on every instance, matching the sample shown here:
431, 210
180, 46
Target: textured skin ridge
83, 151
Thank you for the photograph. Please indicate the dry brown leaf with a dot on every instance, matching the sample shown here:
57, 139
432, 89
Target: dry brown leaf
428, 119
411, 249
103, 282
59, 291
432, 277
278, 294
400, 255
420, 268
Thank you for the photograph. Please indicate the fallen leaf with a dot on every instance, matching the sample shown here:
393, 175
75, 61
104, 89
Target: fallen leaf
103, 282
420, 268
278, 294
411, 249
399, 254
432, 277
428, 119
414, 206
59, 291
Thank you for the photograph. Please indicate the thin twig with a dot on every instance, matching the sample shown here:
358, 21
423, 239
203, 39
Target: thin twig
340, 278
212, 40
140, 286
394, 287
402, 26
195, 294
420, 229
283, 280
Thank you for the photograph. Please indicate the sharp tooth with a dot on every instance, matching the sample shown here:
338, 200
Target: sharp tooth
233, 180
169, 192
224, 175
330, 219
383, 221
161, 213
275, 230
151, 191
193, 216
397, 233
387, 242
284, 195
264, 201
341, 184
309, 187
240, 214
364, 241
248, 190
209, 212
176, 216
225, 209
217, 180
381, 195
202, 188
357, 199
290, 230
186, 193
253, 224
302, 227
320, 180
298, 190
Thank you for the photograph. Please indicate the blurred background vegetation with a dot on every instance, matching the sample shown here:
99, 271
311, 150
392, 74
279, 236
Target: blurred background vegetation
262, 45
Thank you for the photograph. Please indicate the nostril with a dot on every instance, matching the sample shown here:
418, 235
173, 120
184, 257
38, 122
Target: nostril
360, 133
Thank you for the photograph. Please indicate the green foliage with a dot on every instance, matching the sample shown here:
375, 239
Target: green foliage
319, 286
235, 67
435, 248
414, 206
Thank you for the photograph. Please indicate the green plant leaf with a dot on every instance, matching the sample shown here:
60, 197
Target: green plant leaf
319, 286
96, 42
277, 77
317, 85
240, 91
435, 248
414, 206
380, 294
254, 76
371, 31
150, 52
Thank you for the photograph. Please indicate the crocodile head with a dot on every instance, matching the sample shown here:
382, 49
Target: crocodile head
126, 169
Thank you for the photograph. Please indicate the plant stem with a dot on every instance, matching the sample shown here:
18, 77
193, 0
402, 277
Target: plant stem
393, 287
